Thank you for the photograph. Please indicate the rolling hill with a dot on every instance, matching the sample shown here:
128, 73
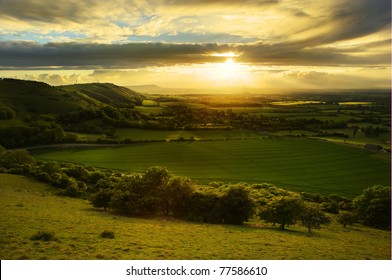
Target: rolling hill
31, 97
105, 93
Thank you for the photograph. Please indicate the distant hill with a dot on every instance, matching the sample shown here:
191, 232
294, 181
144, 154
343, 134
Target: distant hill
31, 97
33, 113
151, 89
106, 93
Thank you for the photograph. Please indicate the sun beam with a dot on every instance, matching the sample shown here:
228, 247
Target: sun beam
229, 70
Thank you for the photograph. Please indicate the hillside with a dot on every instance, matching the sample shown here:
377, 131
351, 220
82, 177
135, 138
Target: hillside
36, 113
105, 93
31, 97
27, 206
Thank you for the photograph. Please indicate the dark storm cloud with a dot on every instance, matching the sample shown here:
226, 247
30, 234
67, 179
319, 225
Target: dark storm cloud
135, 55
25, 55
302, 54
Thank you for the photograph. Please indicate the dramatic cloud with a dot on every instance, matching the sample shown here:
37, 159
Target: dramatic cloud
136, 55
134, 34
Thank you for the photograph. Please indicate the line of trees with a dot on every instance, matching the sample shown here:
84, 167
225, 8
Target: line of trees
158, 192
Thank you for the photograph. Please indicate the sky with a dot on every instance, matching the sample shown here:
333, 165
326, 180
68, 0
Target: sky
291, 44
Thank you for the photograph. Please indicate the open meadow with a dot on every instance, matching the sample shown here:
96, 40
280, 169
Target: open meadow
293, 163
28, 206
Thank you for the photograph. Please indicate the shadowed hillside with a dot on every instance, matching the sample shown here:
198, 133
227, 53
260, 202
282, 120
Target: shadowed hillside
106, 93
30, 97
36, 113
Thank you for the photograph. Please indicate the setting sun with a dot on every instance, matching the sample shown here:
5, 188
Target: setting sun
227, 72
226, 54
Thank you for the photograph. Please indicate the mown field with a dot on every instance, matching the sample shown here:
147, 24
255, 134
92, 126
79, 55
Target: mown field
197, 134
292, 163
27, 206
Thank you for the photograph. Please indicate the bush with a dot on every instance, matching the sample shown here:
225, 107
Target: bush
44, 236
373, 206
331, 207
237, 206
283, 210
107, 234
312, 216
347, 218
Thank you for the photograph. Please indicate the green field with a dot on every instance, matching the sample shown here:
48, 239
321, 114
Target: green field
292, 163
199, 134
27, 206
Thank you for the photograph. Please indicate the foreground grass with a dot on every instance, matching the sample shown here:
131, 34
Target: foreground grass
292, 163
27, 206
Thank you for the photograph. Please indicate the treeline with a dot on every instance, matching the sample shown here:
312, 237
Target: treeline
6, 113
36, 132
48, 129
158, 192
101, 120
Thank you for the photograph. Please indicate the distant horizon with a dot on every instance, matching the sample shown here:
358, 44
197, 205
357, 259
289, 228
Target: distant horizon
216, 90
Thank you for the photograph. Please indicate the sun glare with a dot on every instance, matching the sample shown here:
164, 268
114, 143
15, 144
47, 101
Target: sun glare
226, 54
229, 71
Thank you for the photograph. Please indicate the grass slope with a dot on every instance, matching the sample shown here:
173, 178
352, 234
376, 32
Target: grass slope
292, 163
27, 207
27, 97
105, 93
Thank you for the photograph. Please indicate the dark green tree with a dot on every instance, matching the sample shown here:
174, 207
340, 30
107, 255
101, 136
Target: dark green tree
152, 189
283, 210
373, 206
176, 195
205, 207
237, 205
346, 218
102, 198
18, 157
312, 216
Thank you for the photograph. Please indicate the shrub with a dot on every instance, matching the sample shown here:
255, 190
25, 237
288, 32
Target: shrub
347, 218
44, 236
107, 234
373, 206
237, 206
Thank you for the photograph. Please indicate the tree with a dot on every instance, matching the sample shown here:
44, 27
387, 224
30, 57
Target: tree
283, 210
152, 188
312, 216
205, 207
102, 198
125, 202
331, 207
373, 206
237, 206
2, 151
347, 218
18, 157
176, 196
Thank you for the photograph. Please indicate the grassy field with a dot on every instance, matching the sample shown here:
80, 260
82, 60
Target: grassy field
292, 163
28, 207
151, 134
